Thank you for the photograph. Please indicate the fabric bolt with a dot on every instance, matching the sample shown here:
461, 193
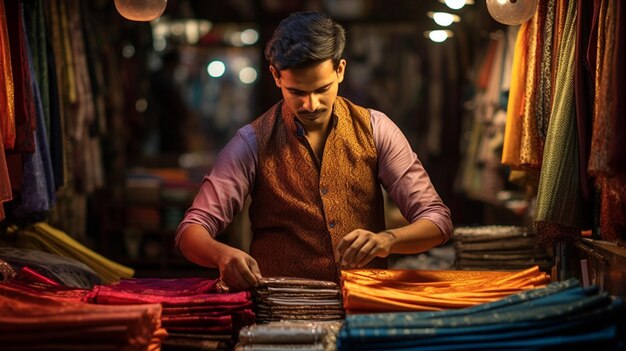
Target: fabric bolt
560, 213
293, 298
190, 305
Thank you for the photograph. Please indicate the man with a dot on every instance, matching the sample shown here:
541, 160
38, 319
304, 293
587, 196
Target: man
313, 165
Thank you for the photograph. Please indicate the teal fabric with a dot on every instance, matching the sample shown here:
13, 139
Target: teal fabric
563, 315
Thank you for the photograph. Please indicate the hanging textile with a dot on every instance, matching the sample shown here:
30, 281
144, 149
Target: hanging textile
561, 212
606, 147
37, 194
544, 85
25, 118
7, 91
531, 144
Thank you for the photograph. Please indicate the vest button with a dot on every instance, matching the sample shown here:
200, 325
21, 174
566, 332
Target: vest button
324, 191
332, 224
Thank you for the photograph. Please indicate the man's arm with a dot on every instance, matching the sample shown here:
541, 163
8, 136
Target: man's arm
220, 197
408, 184
237, 269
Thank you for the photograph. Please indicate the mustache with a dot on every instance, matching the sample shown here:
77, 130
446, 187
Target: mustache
308, 113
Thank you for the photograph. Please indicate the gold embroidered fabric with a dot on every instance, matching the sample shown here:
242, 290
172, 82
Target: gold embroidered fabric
531, 144
313, 205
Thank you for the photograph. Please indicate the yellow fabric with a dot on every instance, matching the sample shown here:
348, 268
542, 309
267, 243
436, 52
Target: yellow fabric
43, 237
367, 291
514, 111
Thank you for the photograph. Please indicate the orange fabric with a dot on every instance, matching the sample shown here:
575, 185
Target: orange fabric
7, 93
515, 107
367, 291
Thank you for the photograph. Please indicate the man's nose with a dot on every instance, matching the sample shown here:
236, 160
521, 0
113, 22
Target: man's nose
311, 103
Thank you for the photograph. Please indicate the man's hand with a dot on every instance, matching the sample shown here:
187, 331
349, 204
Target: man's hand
360, 246
238, 269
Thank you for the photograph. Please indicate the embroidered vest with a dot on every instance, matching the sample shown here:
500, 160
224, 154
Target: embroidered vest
300, 210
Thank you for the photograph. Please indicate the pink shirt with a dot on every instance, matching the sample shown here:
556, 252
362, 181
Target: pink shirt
401, 173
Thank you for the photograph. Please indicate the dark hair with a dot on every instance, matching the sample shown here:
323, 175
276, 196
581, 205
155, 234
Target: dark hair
304, 39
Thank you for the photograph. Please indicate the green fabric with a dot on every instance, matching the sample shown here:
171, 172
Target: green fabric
560, 208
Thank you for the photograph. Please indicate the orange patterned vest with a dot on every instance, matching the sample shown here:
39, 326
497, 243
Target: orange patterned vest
300, 210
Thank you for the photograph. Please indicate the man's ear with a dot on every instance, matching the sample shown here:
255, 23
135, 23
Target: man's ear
276, 75
341, 70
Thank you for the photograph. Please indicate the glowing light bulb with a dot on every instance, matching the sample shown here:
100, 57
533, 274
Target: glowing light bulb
140, 10
511, 12
455, 4
438, 36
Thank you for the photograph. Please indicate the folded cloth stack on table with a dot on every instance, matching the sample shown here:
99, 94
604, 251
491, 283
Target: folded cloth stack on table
559, 316
382, 290
30, 321
289, 335
286, 298
195, 311
498, 247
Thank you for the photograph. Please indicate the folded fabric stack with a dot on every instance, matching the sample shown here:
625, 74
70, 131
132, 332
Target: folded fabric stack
498, 247
560, 316
195, 313
382, 290
285, 298
289, 335
30, 321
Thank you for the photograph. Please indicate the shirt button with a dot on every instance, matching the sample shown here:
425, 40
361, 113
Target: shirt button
332, 224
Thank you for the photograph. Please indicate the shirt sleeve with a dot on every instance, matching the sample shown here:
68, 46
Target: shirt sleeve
405, 179
225, 188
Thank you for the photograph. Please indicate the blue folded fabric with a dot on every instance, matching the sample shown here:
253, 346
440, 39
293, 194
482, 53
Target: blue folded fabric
560, 316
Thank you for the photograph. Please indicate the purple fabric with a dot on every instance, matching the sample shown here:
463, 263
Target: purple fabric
226, 187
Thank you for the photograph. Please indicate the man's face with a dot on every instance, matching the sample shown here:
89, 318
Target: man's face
310, 92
